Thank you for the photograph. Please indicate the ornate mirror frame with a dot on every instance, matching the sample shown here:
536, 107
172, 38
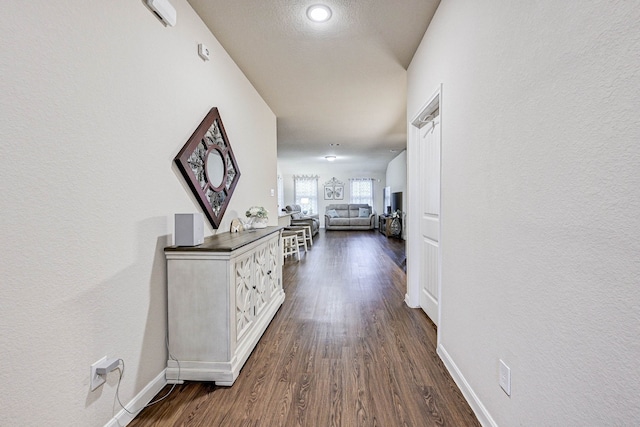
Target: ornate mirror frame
208, 155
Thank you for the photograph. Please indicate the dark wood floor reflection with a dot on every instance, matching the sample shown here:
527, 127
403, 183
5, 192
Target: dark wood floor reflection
344, 350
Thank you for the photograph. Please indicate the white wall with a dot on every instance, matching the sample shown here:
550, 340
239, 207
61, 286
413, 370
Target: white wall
97, 100
325, 172
396, 178
396, 175
540, 202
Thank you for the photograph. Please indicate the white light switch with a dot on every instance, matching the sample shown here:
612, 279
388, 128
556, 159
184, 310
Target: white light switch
273, 192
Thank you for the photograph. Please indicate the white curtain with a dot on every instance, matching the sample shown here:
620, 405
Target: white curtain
361, 191
305, 192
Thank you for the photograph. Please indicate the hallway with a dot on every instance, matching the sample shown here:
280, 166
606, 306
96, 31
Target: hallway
344, 350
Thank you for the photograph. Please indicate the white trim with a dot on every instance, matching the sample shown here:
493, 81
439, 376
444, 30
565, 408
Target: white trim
412, 298
141, 400
409, 302
432, 104
471, 397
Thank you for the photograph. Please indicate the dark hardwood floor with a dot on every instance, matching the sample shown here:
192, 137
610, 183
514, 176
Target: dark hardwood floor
344, 350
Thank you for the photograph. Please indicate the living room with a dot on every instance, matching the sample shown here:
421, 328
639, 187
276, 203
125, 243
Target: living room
392, 177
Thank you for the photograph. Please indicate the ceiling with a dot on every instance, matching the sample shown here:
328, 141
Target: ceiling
339, 82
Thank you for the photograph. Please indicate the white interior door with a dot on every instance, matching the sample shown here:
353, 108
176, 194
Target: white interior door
429, 147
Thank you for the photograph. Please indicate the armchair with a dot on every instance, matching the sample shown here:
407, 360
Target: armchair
298, 218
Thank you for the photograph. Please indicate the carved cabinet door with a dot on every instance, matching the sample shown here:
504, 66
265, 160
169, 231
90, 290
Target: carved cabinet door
261, 290
273, 257
244, 283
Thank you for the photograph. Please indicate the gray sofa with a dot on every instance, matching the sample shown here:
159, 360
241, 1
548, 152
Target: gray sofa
298, 218
349, 217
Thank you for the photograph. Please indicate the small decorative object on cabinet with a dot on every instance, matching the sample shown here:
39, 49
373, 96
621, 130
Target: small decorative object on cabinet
236, 226
222, 296
258, 216
259, 222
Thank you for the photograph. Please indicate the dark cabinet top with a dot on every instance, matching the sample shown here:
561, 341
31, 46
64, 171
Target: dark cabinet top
227, 242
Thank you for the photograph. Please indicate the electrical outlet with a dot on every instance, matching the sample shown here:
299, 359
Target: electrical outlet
95, 379
504, 377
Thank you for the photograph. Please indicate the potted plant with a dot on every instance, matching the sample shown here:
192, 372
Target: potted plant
258, 216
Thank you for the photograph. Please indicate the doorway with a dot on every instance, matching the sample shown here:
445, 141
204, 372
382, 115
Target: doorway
424, 257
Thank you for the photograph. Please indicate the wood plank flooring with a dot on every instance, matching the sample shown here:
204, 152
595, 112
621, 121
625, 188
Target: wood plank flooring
344, 350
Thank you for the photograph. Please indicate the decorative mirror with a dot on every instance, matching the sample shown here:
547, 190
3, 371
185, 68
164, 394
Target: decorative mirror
208, 165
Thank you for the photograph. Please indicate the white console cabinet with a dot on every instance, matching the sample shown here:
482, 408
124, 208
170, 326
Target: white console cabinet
222, 296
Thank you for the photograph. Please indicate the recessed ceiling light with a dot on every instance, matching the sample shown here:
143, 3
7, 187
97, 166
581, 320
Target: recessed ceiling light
319, 13
330, 158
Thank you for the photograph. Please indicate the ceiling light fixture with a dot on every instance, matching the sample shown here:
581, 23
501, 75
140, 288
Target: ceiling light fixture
319, 13
330, 158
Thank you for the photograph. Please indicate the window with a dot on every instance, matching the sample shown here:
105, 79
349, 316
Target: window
305, 193
361, 191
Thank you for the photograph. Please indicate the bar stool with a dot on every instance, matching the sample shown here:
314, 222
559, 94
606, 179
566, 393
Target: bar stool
301, 233
290, 245
307, 229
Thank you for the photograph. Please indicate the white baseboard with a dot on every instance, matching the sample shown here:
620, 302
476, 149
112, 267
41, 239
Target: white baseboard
476, 405
407, 301
138, 403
